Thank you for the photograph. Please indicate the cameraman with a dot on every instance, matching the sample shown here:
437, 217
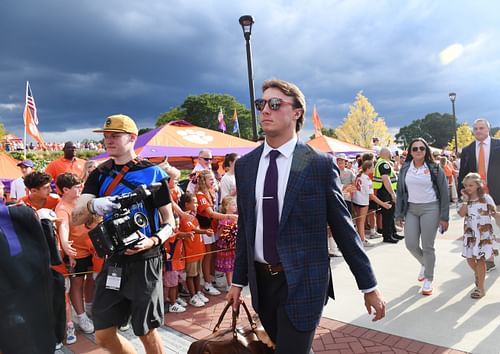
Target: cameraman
130, 284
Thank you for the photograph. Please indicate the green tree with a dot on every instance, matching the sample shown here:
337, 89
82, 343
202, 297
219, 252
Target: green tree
435, 128
362, 124
464, 137
3, 131
203, 110
326, 132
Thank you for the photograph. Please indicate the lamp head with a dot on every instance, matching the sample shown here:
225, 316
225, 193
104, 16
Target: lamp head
246, 23
452, 96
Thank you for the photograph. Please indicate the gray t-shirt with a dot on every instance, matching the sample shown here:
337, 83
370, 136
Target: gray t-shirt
347, 177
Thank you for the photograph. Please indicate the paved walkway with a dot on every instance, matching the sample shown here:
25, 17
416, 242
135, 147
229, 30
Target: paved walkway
448, 321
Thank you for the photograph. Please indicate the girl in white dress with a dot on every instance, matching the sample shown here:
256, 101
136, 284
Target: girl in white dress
479, 240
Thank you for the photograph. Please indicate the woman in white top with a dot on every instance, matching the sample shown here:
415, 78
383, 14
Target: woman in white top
361, 198
228, 183
423, 203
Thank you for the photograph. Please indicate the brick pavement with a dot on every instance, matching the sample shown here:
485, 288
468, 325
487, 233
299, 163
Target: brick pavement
332, 337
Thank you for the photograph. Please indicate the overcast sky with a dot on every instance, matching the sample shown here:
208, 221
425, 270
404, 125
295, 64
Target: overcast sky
89, 59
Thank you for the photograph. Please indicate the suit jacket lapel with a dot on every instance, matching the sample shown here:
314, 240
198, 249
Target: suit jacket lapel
250, 176
298, 174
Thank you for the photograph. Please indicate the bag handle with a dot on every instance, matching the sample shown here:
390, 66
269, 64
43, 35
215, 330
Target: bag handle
235, 316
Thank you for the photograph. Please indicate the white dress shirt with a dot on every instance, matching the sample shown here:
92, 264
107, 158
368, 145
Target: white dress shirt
284, 164
486, 147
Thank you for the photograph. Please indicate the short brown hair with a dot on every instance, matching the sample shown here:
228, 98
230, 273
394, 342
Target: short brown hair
291, 90
67, 180
37, 180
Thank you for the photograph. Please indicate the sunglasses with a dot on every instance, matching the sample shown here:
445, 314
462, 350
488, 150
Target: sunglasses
416, 148
207, 158
274, 103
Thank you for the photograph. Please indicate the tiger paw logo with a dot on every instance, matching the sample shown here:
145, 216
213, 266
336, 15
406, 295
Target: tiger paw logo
195, 136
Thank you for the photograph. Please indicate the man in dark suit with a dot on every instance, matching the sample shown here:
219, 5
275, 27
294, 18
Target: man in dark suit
490, 172
288, 193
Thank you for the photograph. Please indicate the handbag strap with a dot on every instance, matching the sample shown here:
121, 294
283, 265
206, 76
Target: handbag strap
234, 319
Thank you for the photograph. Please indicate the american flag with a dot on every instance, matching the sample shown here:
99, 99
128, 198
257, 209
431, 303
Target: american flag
30, 103
31, 117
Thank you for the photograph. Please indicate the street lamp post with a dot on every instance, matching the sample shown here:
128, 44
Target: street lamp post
246, 23
453, 97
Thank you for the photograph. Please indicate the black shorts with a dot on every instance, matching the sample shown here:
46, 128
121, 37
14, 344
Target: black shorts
140, 297
359, 206
373, 205
83, 265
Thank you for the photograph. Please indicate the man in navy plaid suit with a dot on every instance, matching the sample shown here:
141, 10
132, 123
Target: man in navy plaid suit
289, 277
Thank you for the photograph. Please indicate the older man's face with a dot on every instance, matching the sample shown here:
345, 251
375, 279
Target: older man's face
205, 159
481, 130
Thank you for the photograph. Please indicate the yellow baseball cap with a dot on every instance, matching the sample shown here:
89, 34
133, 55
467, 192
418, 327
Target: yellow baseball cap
118, 123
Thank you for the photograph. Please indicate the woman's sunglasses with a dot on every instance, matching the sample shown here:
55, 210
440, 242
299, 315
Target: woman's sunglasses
416, 148
274, 103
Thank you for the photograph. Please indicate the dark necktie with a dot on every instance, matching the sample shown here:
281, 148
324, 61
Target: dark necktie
270, 210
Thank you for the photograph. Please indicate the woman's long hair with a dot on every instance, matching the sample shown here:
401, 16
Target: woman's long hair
428, 153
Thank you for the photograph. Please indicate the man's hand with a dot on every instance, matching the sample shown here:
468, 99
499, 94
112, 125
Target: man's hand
144, 244
103, 205
375, 303
234, 294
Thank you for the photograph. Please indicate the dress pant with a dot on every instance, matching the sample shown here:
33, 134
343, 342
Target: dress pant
388, 227
273, 293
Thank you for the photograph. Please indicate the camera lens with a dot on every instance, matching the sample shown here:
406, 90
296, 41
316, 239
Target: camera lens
140, 220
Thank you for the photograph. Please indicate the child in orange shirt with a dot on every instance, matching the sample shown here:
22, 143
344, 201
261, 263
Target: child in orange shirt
174, 267
194, 249
76, 244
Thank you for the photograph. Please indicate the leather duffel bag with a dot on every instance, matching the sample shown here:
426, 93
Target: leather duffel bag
234, 340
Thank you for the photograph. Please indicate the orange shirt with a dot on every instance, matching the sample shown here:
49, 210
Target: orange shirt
203, 204
176, 254
50, 203
61, 165
194, 247
79, 234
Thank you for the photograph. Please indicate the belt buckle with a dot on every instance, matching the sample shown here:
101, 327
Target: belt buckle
269, 268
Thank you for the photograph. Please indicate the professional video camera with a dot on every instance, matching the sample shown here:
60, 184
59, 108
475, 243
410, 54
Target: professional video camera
118, 233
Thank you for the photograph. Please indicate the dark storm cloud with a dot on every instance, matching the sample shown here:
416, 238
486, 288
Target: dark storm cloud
86, 60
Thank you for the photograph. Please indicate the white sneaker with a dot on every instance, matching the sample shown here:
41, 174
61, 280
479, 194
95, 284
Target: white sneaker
210, 290
202, 297
367, 243
85, 323
427, 287
181, 302
196, 301
176, 308
373, 234
70, 333
421, 275
125, 327
59, 346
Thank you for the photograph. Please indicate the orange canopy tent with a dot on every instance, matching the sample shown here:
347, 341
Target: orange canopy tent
335, 146
180, 142
8, 169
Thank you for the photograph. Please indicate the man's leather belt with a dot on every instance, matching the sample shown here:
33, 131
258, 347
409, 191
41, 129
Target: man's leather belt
272, 269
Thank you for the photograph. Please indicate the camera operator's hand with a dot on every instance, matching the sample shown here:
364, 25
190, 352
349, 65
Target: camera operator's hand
144, 244
103, 205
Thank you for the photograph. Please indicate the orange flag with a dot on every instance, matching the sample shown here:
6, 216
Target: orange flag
31, 117
317, 123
